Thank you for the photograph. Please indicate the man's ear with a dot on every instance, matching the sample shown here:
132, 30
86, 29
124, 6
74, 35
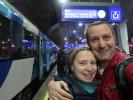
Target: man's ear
72, 68
115, 38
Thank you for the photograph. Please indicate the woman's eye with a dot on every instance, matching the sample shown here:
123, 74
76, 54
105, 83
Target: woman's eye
83, 63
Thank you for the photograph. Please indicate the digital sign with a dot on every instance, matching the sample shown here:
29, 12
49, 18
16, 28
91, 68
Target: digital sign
115, 14
91, 13
78, 13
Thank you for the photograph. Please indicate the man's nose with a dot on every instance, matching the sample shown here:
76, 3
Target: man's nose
101, 44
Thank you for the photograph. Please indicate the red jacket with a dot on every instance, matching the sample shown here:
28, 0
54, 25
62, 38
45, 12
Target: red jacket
107, 89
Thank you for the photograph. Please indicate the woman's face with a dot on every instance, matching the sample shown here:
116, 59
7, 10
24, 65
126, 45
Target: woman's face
84, 66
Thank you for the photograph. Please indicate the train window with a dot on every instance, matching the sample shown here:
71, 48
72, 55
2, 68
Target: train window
5, 38
28, 44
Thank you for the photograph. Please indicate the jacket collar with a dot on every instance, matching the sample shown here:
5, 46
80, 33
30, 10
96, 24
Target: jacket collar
118, 56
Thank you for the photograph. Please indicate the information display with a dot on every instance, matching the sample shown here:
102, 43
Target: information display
91, 13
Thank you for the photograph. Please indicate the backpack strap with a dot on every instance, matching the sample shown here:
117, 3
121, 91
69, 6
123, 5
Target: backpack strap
121, 79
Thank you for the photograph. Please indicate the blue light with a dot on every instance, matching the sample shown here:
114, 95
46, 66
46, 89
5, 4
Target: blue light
25, 41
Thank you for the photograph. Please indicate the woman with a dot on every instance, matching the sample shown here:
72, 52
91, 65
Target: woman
81, 80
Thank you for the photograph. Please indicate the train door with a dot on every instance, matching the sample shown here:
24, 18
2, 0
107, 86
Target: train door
41, 57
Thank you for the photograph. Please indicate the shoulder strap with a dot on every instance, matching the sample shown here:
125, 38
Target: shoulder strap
120, 76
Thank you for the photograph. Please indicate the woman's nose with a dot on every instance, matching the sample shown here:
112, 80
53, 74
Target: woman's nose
89, 67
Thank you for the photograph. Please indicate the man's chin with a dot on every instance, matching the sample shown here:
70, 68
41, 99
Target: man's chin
103, 58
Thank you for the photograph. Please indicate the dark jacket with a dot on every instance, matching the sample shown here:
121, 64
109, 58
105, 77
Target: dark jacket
108, 89
61, 61
76, 90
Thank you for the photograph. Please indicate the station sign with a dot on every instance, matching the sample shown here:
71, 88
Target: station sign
91, 13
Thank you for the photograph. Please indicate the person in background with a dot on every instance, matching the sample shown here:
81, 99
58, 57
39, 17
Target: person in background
101, 40
61, 61
82, 70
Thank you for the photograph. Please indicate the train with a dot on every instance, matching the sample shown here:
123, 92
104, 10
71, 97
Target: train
26, 54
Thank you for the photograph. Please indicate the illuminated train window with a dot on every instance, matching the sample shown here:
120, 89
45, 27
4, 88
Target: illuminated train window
28, 44
5, 38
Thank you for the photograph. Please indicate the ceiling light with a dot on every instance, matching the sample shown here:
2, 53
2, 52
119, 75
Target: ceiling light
63, 1
65, 38
80, 24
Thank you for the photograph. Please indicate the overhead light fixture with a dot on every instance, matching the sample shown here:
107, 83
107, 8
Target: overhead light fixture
80, 24
63, 1
74, 31
65, 38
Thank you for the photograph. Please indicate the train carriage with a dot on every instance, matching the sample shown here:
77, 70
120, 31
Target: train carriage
24, 54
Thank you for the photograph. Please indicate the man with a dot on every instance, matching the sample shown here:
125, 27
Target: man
101, 39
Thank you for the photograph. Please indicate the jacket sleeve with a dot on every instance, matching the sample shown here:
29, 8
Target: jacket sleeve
129, 75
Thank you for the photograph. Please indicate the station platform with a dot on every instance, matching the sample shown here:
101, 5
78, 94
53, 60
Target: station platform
42, 93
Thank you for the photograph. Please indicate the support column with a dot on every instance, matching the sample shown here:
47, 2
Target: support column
123, 36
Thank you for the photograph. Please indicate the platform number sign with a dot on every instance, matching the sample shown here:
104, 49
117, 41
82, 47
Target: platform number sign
115, 14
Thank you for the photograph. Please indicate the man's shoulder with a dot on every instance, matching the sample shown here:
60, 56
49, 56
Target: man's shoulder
121, 55
130, 65
118, 57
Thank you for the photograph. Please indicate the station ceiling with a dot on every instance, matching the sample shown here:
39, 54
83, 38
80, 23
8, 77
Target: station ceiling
43, 14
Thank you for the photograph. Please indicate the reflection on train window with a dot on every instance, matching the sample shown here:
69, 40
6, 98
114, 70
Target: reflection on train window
28, 44
5, 38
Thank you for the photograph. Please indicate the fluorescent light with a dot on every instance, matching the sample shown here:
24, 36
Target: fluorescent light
63, 1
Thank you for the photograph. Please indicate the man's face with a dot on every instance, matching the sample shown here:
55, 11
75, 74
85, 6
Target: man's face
101, 41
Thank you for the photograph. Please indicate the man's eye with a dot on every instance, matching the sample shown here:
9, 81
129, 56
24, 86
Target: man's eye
94, 40
107, 38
